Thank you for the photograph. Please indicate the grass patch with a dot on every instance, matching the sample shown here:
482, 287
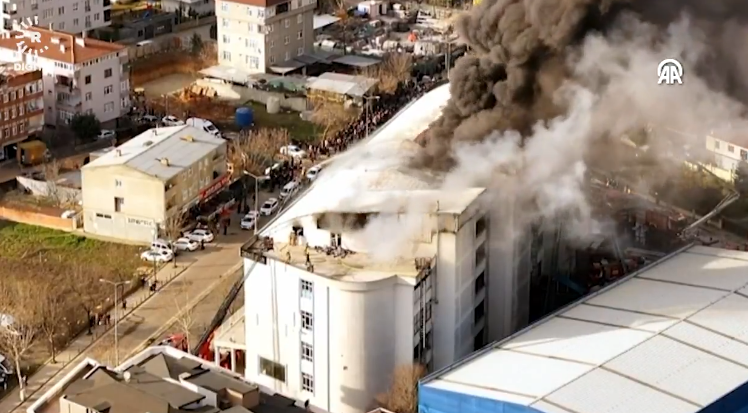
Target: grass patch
299, 129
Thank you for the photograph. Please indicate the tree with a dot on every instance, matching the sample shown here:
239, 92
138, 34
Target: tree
51, 170
256, 151
740, 178
21, 325
332, 118
402, 397
185, 316
171, 228
86, 126
85, 289
391, 72
52, 314
196, 44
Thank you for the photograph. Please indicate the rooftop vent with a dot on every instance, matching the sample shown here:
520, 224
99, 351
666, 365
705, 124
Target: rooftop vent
118, 152
188, 138
55, 40
127, 376
147, 143
164, 161
62, 48
80, 41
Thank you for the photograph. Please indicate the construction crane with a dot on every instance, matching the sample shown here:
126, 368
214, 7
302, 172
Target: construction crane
727, 201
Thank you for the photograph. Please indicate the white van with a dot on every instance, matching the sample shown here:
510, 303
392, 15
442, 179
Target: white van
160, 245
205, 125
289, 189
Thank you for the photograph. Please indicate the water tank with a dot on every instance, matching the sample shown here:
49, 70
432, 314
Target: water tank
244, 117
273, 106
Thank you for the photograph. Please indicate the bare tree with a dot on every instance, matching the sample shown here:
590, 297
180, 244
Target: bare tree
52, 312
21, 322
185, 319
85, 290
257, 151
51, 172
402, 397
172, 229
332, 118
391, 72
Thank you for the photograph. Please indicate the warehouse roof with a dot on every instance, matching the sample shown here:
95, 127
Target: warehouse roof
671, 338
162, 152
356, 86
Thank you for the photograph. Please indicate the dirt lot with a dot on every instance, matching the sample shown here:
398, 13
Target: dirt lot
168, 84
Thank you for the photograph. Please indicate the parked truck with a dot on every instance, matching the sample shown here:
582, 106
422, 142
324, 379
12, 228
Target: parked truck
32, 153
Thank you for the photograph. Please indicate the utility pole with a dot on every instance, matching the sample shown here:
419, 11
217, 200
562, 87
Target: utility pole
116, 317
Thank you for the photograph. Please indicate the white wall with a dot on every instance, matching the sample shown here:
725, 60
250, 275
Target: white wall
361, 332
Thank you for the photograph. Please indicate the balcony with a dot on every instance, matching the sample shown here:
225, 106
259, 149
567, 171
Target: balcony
64, 82
70, 101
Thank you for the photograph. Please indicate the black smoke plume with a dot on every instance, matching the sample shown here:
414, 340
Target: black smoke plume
520, 51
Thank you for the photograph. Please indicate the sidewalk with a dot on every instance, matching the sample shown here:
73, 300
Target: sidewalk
149, 315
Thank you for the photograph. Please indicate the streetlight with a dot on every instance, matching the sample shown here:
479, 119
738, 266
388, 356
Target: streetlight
257, 195
116, 319
366, 102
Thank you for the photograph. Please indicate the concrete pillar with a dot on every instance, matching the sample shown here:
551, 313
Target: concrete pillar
217, 355
233, 360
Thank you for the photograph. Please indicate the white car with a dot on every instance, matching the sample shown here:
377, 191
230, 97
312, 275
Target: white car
203, 235
186, 244
159, 256
107, 134
293, 151
269, 206
313, 172
149, 119
205, 125
288, 190
171, 121
248, 222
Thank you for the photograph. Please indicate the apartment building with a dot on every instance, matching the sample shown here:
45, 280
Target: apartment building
130, 191
335, 301
21, 107
257, 35
81, 75
72, 16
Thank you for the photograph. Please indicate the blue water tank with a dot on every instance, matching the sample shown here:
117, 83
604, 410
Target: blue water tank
245, 117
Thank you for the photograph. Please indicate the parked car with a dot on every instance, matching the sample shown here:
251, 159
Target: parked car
248, 222
269, 206
293, 151
106, 134
149, 119
313, 172
158, 256
68, 214
205, 125
289, 190
186, 244
198, 235
171, 121
5, 367
161, 245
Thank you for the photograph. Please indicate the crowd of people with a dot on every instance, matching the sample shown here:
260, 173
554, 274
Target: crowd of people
380, 111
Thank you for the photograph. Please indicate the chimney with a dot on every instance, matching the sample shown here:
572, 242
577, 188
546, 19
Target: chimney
80, 41
62, 48
165, 161
84, 34
51, 29
127, 376
55, 40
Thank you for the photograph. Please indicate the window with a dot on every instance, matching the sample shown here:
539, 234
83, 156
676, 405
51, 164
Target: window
97, 16
251, 43
225, 39
300, 51
744, 154
288, 56
13, 95
88, 96
117, 183
286, 40
272, 59
60, 11
480, 253
479, 312
47, 13
75, 6
249, 11
286, 23
20, 110
13, 112
730, 149
6, 114
225, 22
480, 226
20, 93
300, 19
6, 97
108, 89
272, 369
300, 35
716, 144
107, 73
307, 321
254, 62
226, 56
61, 25
118, 203
88, 79
298, 4
307, 289
15, 130
109, 107
261, 13
480, 282
224, 6
307, 382
307, 352
76, 22
272, 43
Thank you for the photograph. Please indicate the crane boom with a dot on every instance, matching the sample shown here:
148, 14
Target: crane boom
727, 201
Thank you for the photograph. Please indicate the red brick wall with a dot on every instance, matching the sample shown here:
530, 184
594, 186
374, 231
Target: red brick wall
35, 218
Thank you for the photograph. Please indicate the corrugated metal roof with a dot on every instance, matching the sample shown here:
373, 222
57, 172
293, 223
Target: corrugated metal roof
162, 152
672, 338
342, 84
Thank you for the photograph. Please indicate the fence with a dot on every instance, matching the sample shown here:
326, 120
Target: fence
243, 94
66, 196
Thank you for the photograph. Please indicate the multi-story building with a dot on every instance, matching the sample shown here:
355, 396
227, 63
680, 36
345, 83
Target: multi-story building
21, 107
373, 268
73, 16
184, 6
256, 35
133, 189
81, 75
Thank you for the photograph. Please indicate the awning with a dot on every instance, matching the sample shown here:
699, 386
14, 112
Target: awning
287, 66
214, 187
227, 73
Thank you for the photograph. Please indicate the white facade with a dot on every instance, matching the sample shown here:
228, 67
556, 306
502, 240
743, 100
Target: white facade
333, 329
96, 80
254, 37
73, 16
